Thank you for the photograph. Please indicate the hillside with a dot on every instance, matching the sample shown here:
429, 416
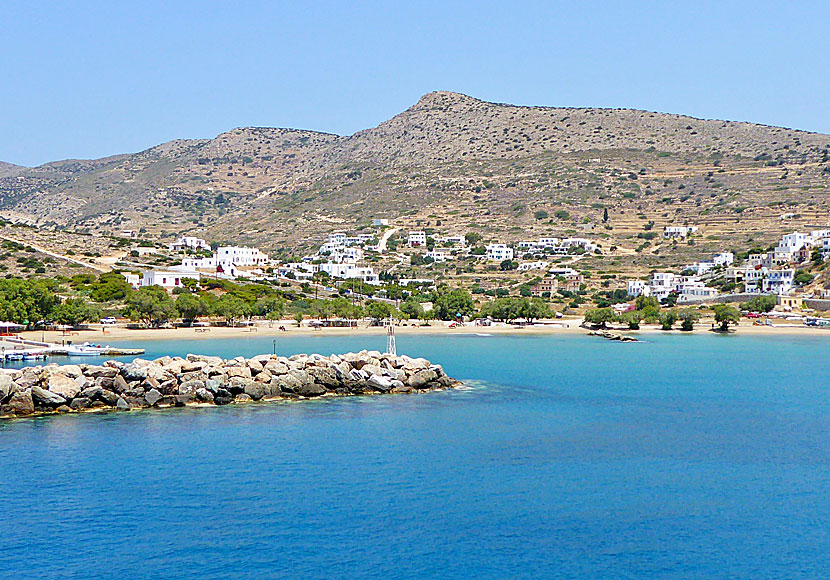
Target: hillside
457, 161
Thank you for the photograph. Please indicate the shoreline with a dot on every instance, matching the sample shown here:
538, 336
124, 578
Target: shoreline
564, 327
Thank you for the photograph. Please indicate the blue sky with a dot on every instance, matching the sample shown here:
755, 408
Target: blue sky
89, 79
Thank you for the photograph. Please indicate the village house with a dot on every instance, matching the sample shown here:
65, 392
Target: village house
350, 271
527, 266
638, 288
167, 279
498, 252
546, 286
189, 243
417, 239
675, 232
439, 256
378, 222
133, 280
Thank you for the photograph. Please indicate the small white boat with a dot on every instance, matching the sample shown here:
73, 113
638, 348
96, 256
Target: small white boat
84, 349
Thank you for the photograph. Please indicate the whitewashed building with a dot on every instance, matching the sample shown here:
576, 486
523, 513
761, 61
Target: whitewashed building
678, 231
189, 243
167, 278
528, 266
638, 288
498, 252
417, 239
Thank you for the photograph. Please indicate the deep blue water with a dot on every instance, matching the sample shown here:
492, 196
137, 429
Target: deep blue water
678, 457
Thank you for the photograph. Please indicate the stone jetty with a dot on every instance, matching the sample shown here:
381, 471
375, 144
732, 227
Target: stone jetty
198, 379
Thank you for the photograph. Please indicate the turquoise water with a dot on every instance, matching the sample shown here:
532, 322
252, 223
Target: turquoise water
682, 456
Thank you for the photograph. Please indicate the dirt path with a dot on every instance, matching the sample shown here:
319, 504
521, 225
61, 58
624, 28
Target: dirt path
385, 238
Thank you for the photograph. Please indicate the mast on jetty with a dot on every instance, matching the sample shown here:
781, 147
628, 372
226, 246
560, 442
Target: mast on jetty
390, 338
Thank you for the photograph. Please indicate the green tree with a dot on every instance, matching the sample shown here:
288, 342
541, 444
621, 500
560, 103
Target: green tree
760, 303
378, 310
508, 265
150, 305
450, 303
110, 286
534, 309
230, 308
643, 302
190, 306
412, 309
600, 317
688, 318
726, 315
472, 238
541, 214
75, 311
632, 319
271, 307
667, 319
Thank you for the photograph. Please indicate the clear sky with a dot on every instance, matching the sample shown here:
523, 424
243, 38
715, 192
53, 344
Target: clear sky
88, 79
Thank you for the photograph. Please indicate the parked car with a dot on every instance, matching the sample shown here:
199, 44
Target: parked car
108, 320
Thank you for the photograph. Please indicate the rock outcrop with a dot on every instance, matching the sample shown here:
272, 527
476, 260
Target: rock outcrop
206, 380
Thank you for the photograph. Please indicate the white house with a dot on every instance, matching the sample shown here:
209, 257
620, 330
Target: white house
638, 288
240, 256
538, 265
678, 231
439, 255
133, 280
377, 222
350, 271
498, 252
766, 281
166, 279
723, 259
694, 290
417, 239
351, 254
189, 243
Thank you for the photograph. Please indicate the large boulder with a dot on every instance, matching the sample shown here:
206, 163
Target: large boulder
276, 367
222, 397
44, 397
421, 378
21, 403
119, 384
204, 395
63, 385
79, 403
242, 372
7, 387
325, 376
109, 397
255, 390
152, 397
190, 387
72, 371
311, 390
380, 383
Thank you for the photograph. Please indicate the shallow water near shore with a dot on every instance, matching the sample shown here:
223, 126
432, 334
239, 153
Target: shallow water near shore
567, 456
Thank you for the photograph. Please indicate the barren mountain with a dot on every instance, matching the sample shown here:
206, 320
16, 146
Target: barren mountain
452, 159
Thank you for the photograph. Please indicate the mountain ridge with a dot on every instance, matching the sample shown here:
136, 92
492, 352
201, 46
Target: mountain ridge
438, 155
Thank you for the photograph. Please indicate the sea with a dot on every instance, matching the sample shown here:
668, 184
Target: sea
680, 456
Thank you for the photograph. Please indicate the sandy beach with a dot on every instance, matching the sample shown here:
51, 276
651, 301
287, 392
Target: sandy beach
117, 333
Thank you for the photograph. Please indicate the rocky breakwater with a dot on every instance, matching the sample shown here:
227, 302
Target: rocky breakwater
198, 379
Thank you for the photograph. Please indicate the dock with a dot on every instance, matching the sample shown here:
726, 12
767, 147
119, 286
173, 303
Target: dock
13, 348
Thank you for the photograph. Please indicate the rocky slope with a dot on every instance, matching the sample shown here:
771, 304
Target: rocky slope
449, 157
